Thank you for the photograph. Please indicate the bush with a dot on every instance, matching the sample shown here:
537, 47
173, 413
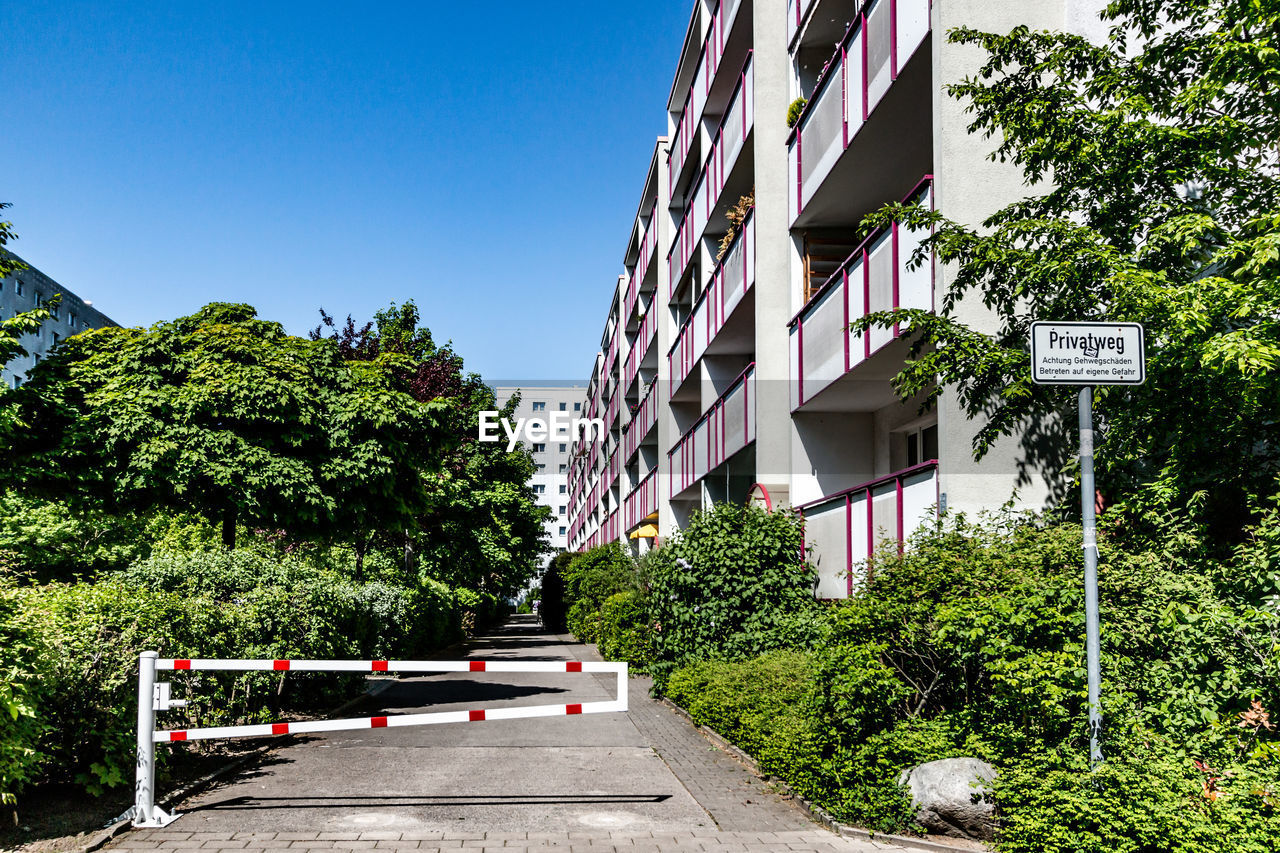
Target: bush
553, 609
625, 631
733, 584
20, 725
590, 578
80, 677
764, 706
1144, 798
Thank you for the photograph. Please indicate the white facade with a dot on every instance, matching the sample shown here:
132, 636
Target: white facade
542, 400
727, 371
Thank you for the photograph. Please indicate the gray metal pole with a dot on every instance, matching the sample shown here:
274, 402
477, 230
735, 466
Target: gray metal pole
144, 791
1093, 651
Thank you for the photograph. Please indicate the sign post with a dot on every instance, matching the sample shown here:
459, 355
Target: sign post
1089, 354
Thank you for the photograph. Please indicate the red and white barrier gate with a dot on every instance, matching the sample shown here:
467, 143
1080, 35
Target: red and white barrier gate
153, 696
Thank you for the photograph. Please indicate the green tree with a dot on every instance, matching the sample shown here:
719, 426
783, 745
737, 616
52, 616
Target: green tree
482, 525
1153, 163
225, 415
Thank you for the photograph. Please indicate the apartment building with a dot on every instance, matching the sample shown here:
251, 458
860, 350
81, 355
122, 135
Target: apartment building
543, 400
727, 370
26, 289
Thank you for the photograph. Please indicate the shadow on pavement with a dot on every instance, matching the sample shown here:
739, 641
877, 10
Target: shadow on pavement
424, 693
251, 803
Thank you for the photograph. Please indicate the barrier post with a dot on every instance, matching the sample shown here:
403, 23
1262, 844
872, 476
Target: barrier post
145, 811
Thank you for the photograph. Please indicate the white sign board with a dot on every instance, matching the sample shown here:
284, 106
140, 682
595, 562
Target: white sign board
1088, 354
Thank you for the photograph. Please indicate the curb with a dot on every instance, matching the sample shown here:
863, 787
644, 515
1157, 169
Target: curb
815, 812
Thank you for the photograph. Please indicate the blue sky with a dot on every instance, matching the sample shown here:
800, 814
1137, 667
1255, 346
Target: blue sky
484, 160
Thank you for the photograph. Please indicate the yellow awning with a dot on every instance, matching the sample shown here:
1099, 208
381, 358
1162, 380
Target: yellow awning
645, 531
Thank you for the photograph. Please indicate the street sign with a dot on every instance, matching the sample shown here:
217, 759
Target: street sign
1088, 354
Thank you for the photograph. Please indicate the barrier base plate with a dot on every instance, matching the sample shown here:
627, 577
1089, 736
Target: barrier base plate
159, 817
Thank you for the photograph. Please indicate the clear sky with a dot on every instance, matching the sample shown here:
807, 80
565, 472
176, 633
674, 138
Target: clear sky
483, 159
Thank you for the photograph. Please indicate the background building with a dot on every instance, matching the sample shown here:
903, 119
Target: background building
539, 399
727, 371
28, 289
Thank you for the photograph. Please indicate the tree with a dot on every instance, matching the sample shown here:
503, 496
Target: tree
224, 414
483, 525
1154, 162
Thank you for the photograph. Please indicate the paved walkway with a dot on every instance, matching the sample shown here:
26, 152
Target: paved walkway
642, 781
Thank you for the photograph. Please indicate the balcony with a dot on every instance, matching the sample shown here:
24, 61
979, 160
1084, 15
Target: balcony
643, 420
642, 501
696, 101
635, 284
727, 144
871, 57
727, 427
846, 528
732, 278
796, 11
874, 278
644, 340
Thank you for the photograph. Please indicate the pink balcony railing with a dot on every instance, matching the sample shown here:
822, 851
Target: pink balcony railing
643, 420
642, 501
846, 528
644, 339
727, 143
873, 52
611, 357
647, 244
730, 281
728, 426
874, 278
708, 63
613, 408
796, 12
613, 468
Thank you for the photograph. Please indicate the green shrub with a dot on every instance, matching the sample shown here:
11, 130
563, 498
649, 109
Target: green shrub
20, 724
731, 585
81, 679
1144, 798
763, 706
552, 610
625, 631
590, 578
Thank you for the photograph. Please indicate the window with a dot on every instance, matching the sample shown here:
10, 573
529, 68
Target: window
562, 508
564, 468
17, 286
564, 448
71, 319
577, 407
17, 382
562, 531
539, 406
564, 489
539, 489
54, 337
539, 448
922, 445
35, 359
564, 406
